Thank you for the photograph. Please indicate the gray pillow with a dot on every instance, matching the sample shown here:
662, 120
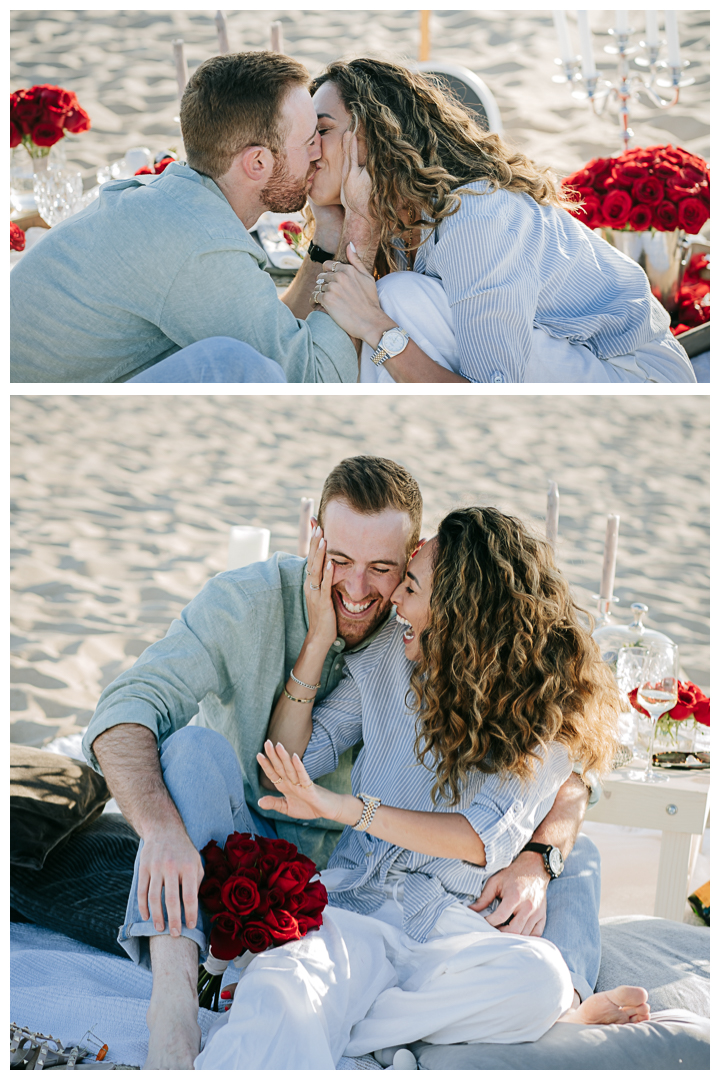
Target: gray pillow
672, 1040
671, 960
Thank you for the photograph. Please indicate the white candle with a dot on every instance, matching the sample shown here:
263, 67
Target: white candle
566, 51
673, 42
553, 513
180, 65
586, 46
306, 510
276, 37
610, 556
248, 544
223, 46
621, 22
652, 37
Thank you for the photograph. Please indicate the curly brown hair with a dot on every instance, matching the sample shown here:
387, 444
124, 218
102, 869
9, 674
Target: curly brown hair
423, 144
506, 664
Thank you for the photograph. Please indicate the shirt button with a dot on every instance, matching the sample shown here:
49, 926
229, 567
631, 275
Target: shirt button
497, 376
338, 643
368, 854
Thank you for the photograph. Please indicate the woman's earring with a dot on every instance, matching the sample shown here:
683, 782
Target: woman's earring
411, 214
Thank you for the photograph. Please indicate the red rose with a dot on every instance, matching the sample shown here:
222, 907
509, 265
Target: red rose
256, 937
17, 237
702, 712
689, 696
45, 134
631, 168
616, 208
581, 178
241, 850
77, 121
226, 936
161, 166
641, 218
692, 215
210, 892
314, 898
144, 171
292, 877
283, 850
590, 213
600, 169
25, 108
15, 135
215, 862
282, 926
649, 190
240, 895
289, 229
306, 923
665, 217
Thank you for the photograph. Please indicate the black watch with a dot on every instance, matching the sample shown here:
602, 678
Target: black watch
318, 254
552, 857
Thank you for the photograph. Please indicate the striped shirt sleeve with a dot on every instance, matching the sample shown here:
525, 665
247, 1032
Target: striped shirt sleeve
337, 725
506, 811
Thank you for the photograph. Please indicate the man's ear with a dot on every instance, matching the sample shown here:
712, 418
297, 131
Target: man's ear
313, 522
256, 162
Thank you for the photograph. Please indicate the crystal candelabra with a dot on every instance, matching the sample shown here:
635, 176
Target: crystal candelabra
580, 73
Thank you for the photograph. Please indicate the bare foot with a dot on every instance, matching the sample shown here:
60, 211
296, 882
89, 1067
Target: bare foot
173, 1011
623, 1005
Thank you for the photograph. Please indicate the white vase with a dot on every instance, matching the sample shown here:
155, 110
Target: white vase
662, 256
22, 167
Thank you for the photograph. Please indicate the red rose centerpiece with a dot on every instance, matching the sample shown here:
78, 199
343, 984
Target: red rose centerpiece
692, 704
642, 193
41, 116
260, 894
158, 167
292, 234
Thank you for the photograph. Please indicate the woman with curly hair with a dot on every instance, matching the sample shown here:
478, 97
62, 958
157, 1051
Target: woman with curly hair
468, 712
506, 285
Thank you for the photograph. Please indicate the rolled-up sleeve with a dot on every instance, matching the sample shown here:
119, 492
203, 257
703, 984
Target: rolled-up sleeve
506, 811
337, 725
239, 300
492, 287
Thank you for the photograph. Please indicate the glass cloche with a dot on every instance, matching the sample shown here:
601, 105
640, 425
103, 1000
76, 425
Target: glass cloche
611, 637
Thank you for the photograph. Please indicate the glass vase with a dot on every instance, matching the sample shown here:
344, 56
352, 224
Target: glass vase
24, 164
662, 255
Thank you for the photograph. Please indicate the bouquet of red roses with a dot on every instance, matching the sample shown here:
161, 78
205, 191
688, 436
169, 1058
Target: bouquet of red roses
691, 704
40, 116
658, 187
260, 894
17, 237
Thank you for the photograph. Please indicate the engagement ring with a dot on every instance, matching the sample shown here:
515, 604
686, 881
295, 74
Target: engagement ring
315, 588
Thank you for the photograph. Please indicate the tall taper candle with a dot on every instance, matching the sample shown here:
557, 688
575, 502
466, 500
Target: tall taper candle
553, 513
181, 70
276, 37
306, 510
566, 50
589, 70
609, 556
223, 45
621, 22
673, 42
652, 37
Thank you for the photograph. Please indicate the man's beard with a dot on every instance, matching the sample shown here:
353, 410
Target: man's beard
284, 194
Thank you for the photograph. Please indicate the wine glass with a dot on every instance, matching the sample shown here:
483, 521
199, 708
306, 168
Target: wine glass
628, 670
658, 693
58, 194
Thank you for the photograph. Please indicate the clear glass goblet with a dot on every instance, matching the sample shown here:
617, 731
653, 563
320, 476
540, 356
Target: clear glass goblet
58, 194
658, 694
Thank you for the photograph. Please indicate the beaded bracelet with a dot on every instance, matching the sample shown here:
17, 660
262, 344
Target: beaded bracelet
307, 685
300, 700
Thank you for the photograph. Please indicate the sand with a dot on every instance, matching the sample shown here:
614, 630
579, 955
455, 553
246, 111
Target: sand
122, 506
120, 64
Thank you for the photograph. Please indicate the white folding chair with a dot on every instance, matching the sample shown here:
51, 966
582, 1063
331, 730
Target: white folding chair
469, 88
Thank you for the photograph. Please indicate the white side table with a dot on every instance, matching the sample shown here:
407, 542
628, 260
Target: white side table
679, 808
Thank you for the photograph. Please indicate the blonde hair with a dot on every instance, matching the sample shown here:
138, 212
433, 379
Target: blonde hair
506, 665
423, 144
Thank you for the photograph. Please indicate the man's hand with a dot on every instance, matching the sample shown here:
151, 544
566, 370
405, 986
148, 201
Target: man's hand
521, 888
169, 861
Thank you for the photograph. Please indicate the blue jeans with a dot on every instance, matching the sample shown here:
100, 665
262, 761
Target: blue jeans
216, 360
202, 774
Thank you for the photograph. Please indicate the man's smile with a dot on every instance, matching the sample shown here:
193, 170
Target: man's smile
355, 610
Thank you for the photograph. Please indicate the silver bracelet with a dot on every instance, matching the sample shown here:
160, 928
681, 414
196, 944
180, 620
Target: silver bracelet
370, 805
307, 685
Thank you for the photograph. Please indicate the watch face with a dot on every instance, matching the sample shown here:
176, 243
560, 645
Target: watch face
556, 862
393, 341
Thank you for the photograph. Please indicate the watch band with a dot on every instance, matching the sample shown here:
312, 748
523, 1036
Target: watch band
381, 354
545, 850
318, 254
370, 805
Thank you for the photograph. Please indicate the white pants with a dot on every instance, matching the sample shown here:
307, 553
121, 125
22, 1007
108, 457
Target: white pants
420, 305
359, 984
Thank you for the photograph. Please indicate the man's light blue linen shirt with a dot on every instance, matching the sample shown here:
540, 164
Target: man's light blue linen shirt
223, 665
146, 270
370, 706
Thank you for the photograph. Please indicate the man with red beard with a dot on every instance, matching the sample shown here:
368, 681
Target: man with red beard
166, 273
223, 664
